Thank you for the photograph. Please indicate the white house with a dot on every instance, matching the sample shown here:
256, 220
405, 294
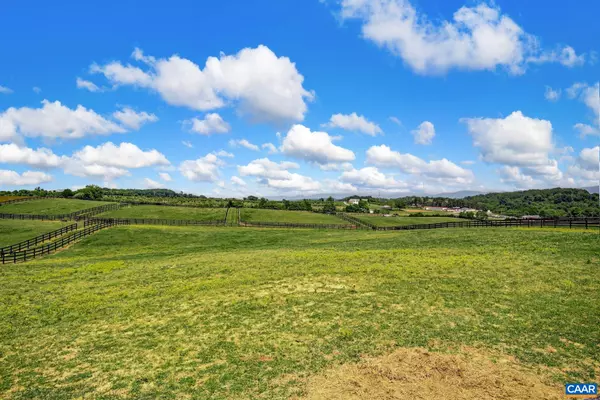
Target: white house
353, 201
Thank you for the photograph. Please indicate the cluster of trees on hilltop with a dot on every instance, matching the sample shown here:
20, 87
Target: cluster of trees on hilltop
544, 202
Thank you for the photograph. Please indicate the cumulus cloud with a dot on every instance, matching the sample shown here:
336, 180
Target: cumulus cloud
590, 96
13, 178
270, 147
237, 181
41, 158
316, 147
261, 84
355, 123
371, 178
276, 175
223, 153
5, 90
126, 155
515, 140
424, 134
478, 38
384, 156
243, 143
336, 166
586, 130
152, 184
212, 123
87, 85
204, 169
132, 119
514, 176
551, 94
165, 176
54, 120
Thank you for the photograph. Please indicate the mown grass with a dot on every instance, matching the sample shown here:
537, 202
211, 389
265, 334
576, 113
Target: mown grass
379, 220
49, 206
295, 217
15, 231
221, 313
167, 212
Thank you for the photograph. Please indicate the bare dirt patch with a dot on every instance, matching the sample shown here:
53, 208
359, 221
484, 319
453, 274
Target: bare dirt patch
416, 373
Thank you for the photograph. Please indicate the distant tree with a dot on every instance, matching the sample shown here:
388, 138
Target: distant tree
329, 206
67, 193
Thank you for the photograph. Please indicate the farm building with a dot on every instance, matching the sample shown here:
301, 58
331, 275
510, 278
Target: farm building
353, 201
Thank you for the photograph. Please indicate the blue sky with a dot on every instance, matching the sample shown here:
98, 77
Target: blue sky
299, 97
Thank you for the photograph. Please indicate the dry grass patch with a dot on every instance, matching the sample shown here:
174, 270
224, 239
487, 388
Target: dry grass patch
416, 373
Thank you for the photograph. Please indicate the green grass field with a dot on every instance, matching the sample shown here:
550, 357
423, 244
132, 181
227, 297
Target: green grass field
167, 212
15, 231
49, 206
237, 313
296, 217
379, 220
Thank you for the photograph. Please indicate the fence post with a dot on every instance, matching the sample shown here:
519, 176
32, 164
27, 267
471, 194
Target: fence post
586, 223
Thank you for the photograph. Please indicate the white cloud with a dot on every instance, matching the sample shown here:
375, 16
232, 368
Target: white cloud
187, 144
372, 178
106, 173
336, 167
586, 168
152, 184
41, 158
204, 169
264, 86
317, 147
88, 85
126, 155
424, 134
467, 162
237, 181
514, 176
270, 148
37, 90
243, 143
586, 130
212, 123
165, 176
5, 90
353, 122
515, 140
444, 169
478, 38
132, 119
396, 121
223, 153
12, 178
265, 168
295, 182
551, 94
54, 120
565, 56
589, 158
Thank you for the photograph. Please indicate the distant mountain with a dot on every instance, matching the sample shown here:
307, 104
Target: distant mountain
458, 195
592, 189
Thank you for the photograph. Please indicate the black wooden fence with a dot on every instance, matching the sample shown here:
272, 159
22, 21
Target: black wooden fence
28, 254
586, 223
152, 221
356, 221
64, 217
26, 244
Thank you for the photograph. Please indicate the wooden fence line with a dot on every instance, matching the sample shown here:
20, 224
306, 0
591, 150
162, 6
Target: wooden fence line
19, 200
531, 223
37, 240
152, 221
64, 217
28, 254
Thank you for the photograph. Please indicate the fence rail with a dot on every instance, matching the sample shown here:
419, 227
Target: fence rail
64, 217
586, 223
357, 221
28, 254
152, 221
295, 225
26, 244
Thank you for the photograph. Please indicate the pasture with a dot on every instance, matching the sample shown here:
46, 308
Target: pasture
293, 217
15, 231
180, 312
379, 220
10, 198
49, 206
167, 212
